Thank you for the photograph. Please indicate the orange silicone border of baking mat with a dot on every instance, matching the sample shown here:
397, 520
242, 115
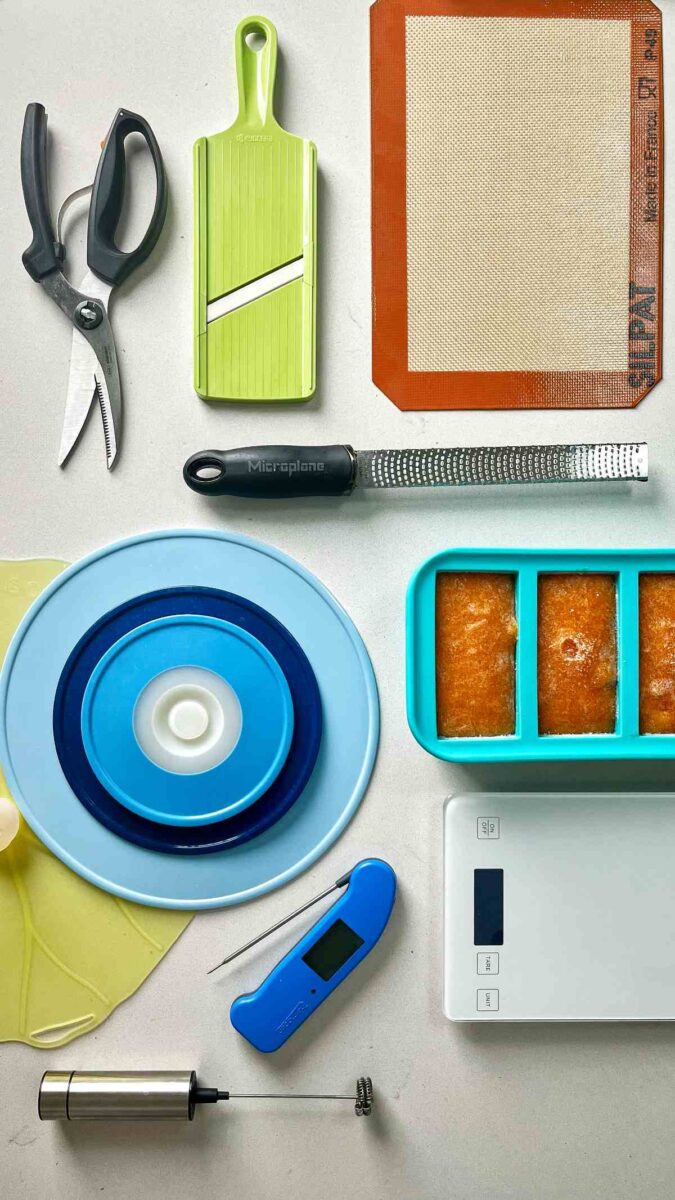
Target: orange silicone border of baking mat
510, 389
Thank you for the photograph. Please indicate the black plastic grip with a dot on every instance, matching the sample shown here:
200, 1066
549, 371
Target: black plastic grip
41, 257
107, 200
272, 472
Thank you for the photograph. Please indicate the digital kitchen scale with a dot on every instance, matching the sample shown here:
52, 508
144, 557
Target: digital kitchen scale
560, 907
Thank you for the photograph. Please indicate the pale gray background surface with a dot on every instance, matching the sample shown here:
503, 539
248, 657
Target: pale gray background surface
518, 1112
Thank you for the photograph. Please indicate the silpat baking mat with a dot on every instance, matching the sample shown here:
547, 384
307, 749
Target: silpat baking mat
517, 156
69, 953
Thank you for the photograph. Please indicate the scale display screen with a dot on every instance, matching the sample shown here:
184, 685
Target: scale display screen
332, 950
488, 907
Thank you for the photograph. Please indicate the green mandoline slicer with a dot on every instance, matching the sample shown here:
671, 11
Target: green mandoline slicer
255, 243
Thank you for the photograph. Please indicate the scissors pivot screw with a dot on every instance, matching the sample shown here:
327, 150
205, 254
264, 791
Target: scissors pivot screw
88, 314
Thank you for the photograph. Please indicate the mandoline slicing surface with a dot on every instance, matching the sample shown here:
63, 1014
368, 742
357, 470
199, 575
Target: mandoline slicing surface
255, 212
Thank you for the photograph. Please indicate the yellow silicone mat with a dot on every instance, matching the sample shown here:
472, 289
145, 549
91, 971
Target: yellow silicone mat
69, 953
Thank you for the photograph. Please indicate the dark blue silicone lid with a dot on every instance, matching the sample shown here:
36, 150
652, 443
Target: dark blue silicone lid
291, 780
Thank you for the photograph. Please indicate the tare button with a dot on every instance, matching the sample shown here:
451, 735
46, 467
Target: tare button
487, 1000
488, 963
488, 827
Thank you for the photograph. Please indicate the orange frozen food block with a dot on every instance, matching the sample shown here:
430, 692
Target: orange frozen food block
657, 653
576, 649
476, 634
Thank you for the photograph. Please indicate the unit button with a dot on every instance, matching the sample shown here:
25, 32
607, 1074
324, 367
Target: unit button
488, 964
487, 1000
487, 827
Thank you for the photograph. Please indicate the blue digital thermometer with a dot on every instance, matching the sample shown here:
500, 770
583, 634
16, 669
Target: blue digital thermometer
312, 970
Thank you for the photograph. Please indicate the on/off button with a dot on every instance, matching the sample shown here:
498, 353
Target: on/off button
487, 828
487, 1000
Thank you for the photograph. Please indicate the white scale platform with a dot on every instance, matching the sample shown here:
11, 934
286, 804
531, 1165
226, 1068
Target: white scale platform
579, 925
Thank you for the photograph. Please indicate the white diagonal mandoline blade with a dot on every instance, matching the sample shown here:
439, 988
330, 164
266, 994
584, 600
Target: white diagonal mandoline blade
256, 289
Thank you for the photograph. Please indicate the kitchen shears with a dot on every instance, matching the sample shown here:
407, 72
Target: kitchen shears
94, 371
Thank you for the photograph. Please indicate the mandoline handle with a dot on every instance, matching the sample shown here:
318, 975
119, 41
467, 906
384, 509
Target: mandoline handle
255, 52
107, 201
272, 472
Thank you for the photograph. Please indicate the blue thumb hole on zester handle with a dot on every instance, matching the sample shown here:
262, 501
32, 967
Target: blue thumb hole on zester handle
285, 789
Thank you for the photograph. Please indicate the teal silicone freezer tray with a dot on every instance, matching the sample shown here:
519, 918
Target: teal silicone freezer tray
526, 744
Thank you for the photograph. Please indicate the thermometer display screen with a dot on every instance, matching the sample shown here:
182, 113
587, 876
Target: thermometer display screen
488, 907
332, 950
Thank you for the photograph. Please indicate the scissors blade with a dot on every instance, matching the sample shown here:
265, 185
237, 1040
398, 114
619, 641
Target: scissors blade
86, 383
107, 378
101, 369
81, 391
107, 389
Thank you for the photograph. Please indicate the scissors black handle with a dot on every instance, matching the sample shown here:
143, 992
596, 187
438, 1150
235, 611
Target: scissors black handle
107, 199
42, 256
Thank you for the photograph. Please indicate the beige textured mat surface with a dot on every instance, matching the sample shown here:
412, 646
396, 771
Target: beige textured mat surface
518, 227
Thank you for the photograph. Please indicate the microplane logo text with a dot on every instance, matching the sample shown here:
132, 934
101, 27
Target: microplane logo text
260, 466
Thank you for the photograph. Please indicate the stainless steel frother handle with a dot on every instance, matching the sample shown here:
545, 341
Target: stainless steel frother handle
117, 1096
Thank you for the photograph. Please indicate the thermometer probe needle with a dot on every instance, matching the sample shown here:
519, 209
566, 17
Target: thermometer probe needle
339, 883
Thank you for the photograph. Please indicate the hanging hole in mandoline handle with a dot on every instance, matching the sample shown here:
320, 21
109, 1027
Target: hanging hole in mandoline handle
255, 53
107, 201
255, 38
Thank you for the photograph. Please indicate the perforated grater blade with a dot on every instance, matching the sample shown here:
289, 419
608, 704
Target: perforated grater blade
502, 464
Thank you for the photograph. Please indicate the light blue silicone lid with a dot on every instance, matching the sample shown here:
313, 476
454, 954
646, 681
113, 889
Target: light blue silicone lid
148, 651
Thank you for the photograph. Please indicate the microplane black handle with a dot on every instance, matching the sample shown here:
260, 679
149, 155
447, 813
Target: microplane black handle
41, 257
107, 200
272, 472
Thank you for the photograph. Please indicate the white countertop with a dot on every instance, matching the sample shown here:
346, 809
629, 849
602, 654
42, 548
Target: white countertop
513, 1112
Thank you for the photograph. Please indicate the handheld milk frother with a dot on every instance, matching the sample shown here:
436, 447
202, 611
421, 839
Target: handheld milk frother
153, 1096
